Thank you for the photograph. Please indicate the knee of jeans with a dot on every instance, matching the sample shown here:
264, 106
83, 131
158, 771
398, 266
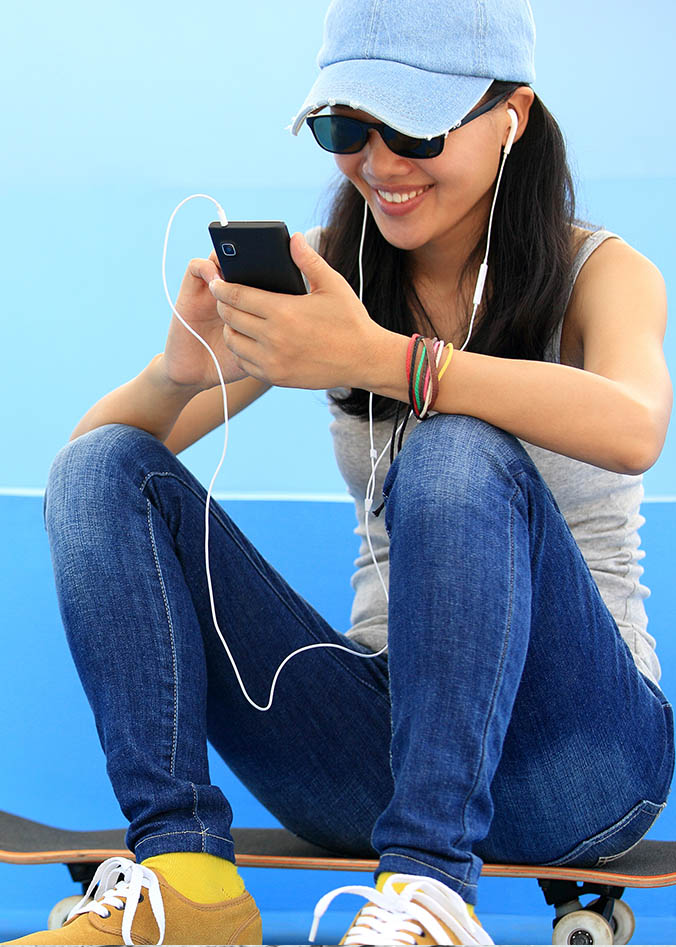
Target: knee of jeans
454, 457
92, 461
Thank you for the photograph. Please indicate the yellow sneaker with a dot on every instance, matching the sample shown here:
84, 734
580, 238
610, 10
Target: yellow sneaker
423, 911
135, 905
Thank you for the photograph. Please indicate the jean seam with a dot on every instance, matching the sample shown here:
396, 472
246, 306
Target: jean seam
499, 674
589, 843
627, 820
223, 524
608, 833
147, 838
203, 828
606, 859
170, 626
417, 861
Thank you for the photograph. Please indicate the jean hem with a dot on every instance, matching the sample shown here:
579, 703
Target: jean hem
407, 865
184, 841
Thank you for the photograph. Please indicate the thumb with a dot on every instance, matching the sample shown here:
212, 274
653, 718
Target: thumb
318, 272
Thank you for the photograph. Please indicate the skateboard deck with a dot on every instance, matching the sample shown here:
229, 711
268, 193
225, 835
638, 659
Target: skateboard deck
604, 920
651, 864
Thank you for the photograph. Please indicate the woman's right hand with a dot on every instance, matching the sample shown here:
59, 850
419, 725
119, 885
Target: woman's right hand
185, 360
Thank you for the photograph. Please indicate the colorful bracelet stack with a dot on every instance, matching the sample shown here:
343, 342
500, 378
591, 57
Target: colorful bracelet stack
424, 371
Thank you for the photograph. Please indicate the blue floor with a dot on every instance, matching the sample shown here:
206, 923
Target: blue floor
53, 769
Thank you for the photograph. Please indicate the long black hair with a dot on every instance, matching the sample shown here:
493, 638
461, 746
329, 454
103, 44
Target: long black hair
530, 258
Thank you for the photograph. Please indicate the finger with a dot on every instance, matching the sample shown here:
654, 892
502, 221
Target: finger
214, 260
203, 269
250, 368
313, 266
242, 322
241, 346
256, 302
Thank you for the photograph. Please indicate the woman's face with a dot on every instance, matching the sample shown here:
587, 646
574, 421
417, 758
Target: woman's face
454, 190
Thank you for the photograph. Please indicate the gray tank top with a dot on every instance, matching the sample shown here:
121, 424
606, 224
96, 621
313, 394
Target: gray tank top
602, 509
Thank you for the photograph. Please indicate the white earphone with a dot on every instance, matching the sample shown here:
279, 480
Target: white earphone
514, 118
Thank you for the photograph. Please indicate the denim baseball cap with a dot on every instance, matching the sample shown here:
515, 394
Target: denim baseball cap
419, 65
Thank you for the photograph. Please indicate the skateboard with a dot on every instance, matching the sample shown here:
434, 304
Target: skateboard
606, 919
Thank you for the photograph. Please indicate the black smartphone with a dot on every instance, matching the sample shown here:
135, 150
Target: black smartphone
256, 253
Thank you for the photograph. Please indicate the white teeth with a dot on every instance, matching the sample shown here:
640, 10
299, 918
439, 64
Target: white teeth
400, 198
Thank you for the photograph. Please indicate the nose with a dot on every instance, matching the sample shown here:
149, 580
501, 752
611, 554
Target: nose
381, 163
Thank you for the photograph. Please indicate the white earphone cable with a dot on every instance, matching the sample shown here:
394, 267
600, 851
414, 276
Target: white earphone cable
373, 454
324, 644
483, 269
478, 295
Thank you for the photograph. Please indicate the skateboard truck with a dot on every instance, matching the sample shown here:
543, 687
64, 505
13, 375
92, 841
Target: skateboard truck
82, 873
607, 916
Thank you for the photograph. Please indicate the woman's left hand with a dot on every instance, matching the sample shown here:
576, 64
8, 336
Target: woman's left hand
324, 339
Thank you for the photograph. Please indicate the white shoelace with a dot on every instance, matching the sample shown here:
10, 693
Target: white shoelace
120, 880
395, 918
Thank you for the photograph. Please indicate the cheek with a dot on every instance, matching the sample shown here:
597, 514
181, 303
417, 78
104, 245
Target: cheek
348, 165
465, 168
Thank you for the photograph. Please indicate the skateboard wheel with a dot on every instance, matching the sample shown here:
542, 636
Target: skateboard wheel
61, 910
624, 922
582, 927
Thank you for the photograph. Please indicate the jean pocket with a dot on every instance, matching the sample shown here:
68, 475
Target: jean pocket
616, 840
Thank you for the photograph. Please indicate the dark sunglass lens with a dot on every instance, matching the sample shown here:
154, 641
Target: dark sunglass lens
339, 134
409, 147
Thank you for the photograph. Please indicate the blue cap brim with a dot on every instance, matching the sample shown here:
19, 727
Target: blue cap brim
415, 102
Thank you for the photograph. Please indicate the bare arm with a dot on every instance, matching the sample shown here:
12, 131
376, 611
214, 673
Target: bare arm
184, 373
151, 401
613, 413
179, 415
205, 411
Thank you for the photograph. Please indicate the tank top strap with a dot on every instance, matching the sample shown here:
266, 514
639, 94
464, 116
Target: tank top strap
591, 242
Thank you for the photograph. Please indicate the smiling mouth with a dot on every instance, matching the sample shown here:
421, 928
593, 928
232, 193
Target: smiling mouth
401, 197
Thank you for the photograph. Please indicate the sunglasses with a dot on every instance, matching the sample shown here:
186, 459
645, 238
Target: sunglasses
342, 135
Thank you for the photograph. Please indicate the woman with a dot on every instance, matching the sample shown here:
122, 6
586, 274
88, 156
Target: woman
517, 714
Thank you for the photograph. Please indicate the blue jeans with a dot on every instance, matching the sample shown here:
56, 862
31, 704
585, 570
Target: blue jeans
509, 722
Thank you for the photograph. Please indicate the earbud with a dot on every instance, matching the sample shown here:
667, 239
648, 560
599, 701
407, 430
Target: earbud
514, 118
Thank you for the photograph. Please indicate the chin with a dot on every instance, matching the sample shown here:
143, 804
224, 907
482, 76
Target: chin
403, 233
405, 244
401, 239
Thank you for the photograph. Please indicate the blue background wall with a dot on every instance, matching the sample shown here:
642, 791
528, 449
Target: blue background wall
111, 115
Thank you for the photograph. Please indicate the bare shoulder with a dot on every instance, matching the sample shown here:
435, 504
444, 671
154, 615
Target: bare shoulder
617, 256
615, 282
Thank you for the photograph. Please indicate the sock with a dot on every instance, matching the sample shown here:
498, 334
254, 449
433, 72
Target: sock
384, 875
198, 876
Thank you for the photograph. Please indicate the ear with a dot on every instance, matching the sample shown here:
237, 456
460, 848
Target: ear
520, 101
